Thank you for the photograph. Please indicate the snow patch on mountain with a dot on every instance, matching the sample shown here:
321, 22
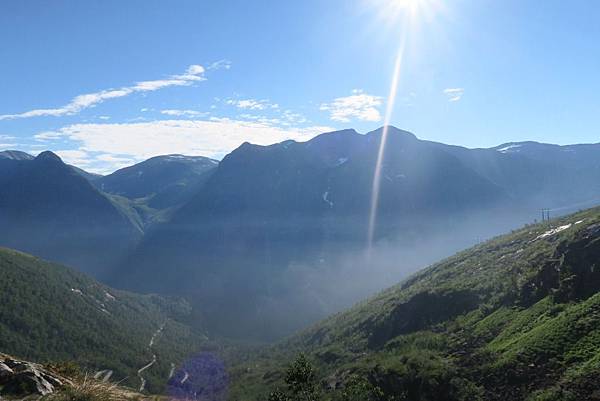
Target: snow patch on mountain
510, 148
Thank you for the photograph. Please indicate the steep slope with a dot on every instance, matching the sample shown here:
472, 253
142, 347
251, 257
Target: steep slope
49, 313
91, 177
48, 209
267, 208
516, 318
164, 181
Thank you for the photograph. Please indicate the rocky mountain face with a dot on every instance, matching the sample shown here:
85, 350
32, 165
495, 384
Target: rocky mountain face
515, 318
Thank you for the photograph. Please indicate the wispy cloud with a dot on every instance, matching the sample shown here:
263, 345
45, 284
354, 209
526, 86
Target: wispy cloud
219, 65
358, 106
6, 142
183, 113
454, 94
110, 146
252, 104
193, 74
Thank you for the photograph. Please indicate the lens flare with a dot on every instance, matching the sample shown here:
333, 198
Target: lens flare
380, 154
407, 13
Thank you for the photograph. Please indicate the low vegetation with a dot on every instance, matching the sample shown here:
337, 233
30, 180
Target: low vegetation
52, 314
516, 318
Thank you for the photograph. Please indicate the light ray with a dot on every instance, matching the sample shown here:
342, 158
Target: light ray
409, 11
391, 100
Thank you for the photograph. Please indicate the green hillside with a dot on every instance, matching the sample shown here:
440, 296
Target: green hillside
515, 318
49, 313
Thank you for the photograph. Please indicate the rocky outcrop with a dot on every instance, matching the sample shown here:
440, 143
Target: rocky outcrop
572, 274
20, 379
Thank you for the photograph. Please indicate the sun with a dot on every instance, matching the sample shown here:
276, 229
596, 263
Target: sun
392, 11
411, 11
410, 5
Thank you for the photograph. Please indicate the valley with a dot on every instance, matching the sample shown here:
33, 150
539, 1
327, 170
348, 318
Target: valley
274, 224
371, 200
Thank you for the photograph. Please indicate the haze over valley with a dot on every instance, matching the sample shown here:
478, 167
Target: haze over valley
367, 200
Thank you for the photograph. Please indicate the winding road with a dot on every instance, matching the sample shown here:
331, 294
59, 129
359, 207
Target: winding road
153, 361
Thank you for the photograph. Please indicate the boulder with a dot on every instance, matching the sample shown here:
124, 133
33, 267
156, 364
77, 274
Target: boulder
22, 379
5, 372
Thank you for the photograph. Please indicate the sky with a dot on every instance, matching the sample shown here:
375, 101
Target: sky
109, 83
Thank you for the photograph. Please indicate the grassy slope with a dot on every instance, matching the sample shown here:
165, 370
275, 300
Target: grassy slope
49, 313
515, 318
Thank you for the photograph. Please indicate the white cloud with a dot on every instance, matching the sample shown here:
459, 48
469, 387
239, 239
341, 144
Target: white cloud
252, 104
359, 106
7, 142
218, 65
454, 94
110, 146
79, 158
195, 69
183, 113
193, 74
48, 136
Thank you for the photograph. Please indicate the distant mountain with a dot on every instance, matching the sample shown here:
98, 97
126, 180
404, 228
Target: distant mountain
164, 181
561, 174
272, 218
267, 209
50, 210
52, 314
18, 155
516, 318
15, 155
258, 238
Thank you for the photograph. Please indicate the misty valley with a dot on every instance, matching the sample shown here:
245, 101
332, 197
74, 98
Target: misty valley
366, 200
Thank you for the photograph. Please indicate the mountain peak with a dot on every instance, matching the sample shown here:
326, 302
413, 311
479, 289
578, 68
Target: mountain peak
394, 131
48, 156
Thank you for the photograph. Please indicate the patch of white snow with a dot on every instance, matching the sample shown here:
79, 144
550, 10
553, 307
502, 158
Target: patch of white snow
509, 148
554, 231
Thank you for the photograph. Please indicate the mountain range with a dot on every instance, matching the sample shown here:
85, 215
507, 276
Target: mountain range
255, 241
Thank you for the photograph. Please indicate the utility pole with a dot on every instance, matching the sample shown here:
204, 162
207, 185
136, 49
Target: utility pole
545, 214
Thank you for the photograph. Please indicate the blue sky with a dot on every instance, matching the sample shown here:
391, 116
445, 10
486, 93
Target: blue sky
107, 83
